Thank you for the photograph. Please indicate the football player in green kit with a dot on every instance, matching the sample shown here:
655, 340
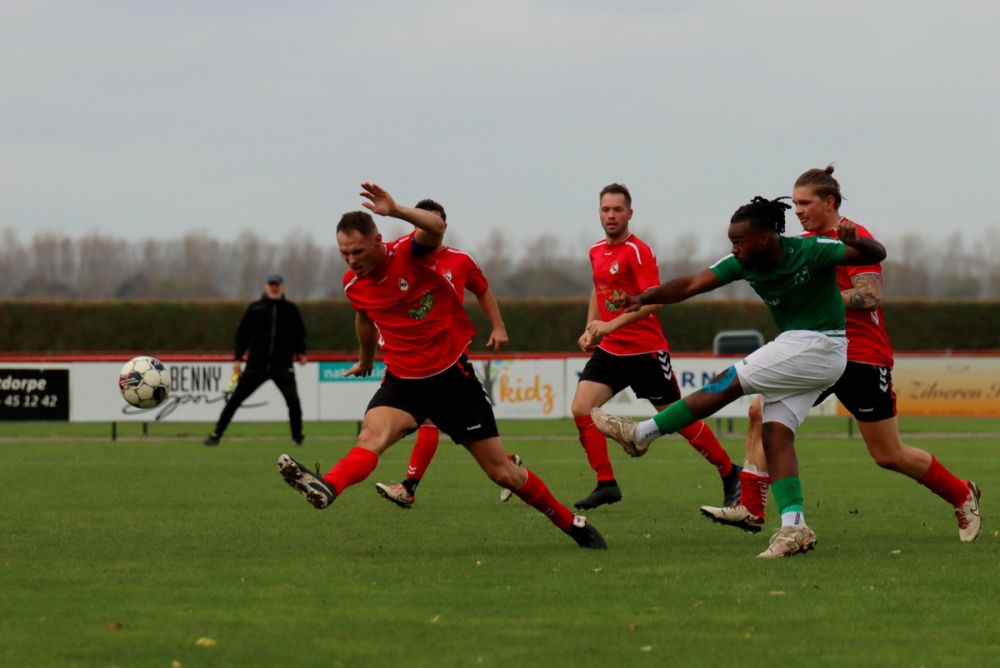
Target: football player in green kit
796, 278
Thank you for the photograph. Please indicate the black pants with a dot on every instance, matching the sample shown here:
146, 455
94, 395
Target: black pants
253, 378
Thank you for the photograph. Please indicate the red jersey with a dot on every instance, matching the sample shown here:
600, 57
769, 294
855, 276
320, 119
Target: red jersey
418, 312
867, 337
460, 269
628, 267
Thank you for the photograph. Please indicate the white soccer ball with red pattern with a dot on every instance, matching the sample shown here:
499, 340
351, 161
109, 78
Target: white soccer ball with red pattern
144, 382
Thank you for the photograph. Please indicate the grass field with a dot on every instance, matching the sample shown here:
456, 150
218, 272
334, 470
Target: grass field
128, 553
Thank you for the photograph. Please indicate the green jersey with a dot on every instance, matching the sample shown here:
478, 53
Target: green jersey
801, 290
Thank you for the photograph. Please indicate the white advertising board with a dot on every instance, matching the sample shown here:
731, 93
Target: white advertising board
196, 395
535, 387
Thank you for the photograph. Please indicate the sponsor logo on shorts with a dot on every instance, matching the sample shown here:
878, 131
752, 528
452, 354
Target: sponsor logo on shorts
475, 426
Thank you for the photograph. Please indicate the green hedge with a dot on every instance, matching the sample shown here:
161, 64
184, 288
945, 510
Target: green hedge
550, 325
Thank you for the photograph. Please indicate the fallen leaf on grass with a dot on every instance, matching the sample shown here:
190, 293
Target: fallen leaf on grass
114, 626
176, 664
435, 619
776, 593
896, 553
205, 642
646, 648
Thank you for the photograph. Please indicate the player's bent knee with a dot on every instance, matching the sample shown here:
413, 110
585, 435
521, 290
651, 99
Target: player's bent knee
887, 459
506, 475
756, 410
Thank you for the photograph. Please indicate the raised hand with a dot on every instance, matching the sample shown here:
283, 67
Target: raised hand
847, 231
379, 200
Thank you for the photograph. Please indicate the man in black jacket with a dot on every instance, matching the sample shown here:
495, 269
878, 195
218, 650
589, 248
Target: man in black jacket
271, 335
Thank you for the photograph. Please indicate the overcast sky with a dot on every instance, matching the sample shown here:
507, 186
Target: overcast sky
150, 119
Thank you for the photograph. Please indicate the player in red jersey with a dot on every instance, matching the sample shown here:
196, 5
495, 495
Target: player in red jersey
865, 388
397, 293
461, 270
629, 350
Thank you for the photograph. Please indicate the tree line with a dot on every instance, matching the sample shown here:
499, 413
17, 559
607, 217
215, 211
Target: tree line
195, 265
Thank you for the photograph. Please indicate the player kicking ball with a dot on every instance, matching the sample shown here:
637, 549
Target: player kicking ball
461, 270
796, 278
865, 389
395, 291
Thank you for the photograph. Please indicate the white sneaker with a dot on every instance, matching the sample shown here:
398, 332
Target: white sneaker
737, 516
621, 429
967, 514
396, 493
787, 541
505, 493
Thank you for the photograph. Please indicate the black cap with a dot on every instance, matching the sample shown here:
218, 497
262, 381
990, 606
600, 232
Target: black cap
275, 278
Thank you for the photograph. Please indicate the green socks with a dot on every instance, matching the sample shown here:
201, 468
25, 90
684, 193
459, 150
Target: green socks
675, 416
788, 494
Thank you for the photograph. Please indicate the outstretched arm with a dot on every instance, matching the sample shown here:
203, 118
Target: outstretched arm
860, 250
430, 226
673, 291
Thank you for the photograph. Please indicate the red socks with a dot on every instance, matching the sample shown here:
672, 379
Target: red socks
703, 439
537, 495
945, 484
352, 469
753, 491
423, 451
596, 446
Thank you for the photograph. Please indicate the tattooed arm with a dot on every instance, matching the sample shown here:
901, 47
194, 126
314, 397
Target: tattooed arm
866, 295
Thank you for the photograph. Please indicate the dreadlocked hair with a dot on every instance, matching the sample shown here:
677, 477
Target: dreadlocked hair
822, 183
763, 213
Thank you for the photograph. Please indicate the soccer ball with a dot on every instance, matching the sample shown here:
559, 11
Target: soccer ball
144, 382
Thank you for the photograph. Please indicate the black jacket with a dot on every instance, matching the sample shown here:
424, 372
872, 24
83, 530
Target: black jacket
271, 331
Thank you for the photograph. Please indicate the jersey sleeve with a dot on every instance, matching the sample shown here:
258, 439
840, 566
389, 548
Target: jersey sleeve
864, 268
647, 274
825, 251
476, 281
727, 270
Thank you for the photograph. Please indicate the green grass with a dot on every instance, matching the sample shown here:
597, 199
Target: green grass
125, 554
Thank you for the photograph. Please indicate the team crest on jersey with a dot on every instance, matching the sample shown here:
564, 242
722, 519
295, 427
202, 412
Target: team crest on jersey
802, 276
422, 307
404, 285
614, 268
609, 303
447, 275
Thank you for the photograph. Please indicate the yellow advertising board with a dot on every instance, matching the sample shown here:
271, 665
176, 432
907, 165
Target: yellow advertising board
946, 386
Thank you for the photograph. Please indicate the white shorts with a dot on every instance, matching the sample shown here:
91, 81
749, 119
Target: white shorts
791, 372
